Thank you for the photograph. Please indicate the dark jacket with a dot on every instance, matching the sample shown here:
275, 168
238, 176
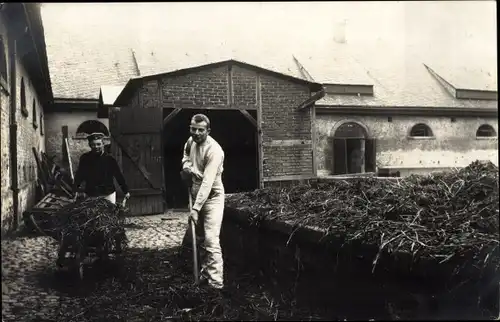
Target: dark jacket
98, 172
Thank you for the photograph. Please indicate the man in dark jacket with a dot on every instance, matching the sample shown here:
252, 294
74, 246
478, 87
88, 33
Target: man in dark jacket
98, 169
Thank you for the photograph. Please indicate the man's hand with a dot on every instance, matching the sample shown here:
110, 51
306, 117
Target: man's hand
194, 216
79, 195
125, 198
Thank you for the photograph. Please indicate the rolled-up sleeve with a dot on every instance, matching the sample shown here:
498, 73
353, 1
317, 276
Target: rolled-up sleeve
214, 160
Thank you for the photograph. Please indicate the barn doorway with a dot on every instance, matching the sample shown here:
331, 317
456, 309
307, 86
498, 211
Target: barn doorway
350, 148
236, 135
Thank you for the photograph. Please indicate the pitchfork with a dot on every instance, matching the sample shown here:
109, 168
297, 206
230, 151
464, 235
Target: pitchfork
193, 239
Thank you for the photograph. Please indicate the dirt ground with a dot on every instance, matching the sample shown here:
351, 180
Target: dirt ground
30, 290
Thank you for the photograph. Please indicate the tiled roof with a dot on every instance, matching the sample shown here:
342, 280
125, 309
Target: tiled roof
457, 40
384, 44
84, 51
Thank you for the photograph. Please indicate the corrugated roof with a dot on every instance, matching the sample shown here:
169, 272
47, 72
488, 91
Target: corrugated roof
384, 44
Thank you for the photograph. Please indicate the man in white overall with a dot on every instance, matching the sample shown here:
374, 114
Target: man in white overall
202, 163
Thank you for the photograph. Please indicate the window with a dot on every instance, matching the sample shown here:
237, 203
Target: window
486, 131
3, 65
421, 130
41, 122
91, 126
35, 124
24, 110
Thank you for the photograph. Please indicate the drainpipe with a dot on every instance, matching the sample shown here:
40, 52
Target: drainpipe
13, 131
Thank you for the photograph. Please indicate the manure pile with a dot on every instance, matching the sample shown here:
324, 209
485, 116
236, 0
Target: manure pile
442, 217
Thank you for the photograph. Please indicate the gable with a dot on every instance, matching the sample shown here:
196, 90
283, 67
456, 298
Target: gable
203, 85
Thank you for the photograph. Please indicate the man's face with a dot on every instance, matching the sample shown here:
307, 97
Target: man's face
97, 146
199, 131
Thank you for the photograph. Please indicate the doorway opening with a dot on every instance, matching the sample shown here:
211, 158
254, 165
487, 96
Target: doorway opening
235, 134
352, 150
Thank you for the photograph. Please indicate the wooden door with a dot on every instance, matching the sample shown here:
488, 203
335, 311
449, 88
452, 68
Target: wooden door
339, 156
137, 146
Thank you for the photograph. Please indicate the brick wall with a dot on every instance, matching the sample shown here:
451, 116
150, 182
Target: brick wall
244, 86
287, 149
205, 87
286, 131
455, 143
6, 192
28, 137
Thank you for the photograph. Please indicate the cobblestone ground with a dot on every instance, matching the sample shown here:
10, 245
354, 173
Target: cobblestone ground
28, 266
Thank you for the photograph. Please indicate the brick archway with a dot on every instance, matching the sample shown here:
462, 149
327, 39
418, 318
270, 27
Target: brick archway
339, 124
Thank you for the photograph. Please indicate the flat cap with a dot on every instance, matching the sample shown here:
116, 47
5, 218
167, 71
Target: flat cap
95, 136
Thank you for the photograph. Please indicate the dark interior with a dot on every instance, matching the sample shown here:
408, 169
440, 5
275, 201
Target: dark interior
344, 160
235, 134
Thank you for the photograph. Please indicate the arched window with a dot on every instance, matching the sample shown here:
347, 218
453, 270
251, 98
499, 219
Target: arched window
3, 62
35, 121
486, 131
92, 126
22, 95
421, 130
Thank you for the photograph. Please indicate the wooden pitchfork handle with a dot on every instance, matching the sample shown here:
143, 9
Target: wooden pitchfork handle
193, 239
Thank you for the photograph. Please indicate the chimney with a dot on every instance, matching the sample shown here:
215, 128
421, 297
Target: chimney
339, 32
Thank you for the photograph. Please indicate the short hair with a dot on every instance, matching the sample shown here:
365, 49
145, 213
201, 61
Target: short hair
198, 118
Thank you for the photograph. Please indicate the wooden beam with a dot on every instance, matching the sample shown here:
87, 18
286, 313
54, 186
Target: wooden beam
365, 90
249, 117
313, 139
65, 135
290, 178
282, 143
230, 99
476, 94
260, 152
160, 92
66, 144
140, 167
210, 107
312, 99
171, 115
408, 111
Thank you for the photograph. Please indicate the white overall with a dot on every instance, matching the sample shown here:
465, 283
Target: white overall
110, 197
206, 163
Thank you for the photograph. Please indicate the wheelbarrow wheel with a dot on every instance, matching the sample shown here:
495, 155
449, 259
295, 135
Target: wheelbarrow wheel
78, 266
80, 271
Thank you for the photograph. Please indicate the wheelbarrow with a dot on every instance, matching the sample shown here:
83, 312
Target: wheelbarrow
73, 255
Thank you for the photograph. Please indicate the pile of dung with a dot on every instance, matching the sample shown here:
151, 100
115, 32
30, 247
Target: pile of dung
95, 222
449, 216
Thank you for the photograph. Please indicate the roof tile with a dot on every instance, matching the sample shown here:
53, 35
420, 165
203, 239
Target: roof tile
387, 50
